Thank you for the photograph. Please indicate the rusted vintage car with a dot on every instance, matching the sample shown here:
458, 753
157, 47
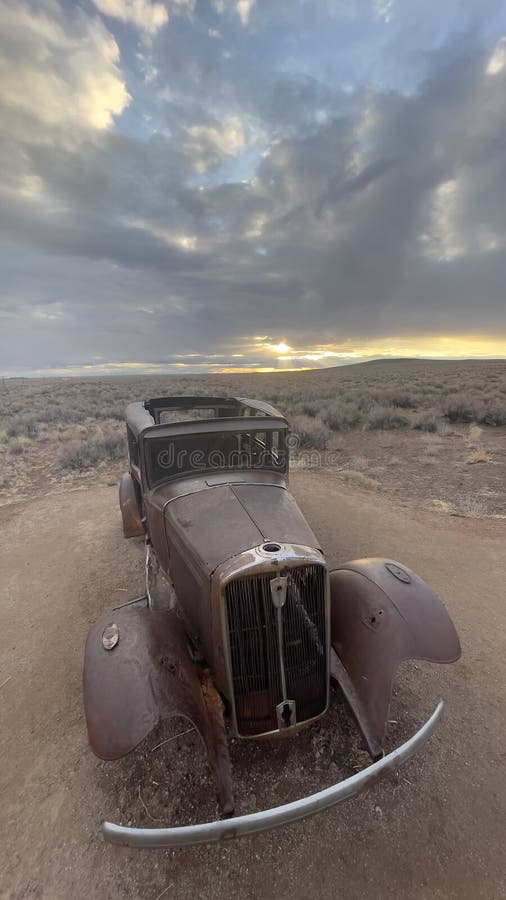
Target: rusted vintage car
242, 625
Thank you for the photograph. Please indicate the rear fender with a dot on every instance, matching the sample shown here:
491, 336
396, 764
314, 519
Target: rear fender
149, 676
381, 614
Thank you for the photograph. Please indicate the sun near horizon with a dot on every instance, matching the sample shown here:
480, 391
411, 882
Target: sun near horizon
269, 356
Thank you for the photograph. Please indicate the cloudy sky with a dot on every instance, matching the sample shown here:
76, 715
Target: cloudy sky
228, 184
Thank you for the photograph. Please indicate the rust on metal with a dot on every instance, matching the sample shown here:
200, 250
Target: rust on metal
149, 677
218, 749
132, 524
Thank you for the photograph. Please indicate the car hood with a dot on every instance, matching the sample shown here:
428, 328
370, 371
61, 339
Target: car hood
223, 520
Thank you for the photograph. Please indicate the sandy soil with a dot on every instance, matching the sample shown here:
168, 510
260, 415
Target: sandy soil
434, 830
427, 469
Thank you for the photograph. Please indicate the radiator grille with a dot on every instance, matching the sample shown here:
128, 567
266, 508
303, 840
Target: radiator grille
254, 647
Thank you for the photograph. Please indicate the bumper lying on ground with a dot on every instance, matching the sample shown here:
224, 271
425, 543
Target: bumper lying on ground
213, 832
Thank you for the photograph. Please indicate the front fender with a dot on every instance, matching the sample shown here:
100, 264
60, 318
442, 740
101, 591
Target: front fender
149, 676
381, 614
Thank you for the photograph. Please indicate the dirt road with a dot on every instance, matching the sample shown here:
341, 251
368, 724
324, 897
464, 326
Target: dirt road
437, 829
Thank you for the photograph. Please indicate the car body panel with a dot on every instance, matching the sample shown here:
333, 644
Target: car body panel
221, 521
147, 677
276, 514
382, 613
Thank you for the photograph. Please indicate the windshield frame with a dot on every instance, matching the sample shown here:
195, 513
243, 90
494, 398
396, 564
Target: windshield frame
212, 427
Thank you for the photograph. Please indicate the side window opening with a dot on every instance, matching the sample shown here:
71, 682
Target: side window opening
133, 448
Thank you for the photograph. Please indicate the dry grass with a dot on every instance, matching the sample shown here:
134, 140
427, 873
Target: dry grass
473, 506
479, 455
445, 430
359, 479
431, 444
427, 422
474, 434
436, 503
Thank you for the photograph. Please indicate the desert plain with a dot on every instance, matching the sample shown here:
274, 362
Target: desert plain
405, 459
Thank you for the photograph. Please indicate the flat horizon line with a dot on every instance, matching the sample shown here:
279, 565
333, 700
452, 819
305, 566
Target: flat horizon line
140, 372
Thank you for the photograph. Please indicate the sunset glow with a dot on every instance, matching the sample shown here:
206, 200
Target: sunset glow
436, 347
267, 357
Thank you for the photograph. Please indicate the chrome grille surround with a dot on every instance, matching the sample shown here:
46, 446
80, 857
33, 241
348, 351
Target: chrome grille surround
250, 670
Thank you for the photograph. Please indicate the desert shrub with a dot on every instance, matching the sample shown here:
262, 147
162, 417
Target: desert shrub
310, 408
486, 410
25, 426
111, 411
57, 413
402, 399
311, 432
16, 448
368, 401
492, 414
47, 415
339, 416
386, 418
460, 408
90, 453
428, 423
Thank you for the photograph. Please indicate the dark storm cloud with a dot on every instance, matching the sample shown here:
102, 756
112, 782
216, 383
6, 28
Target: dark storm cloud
92, 237
245, 199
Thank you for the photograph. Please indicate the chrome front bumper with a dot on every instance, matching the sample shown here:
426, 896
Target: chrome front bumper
223, 829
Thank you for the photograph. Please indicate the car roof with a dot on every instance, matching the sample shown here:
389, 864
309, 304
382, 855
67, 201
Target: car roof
232, 412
